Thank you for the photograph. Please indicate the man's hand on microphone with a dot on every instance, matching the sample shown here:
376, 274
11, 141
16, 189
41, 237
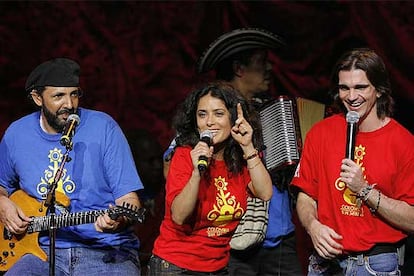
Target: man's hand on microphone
352, 175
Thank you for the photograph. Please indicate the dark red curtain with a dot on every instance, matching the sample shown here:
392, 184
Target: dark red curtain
138, 58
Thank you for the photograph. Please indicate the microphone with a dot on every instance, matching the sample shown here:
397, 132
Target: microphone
207, 137
69, 130
352, 119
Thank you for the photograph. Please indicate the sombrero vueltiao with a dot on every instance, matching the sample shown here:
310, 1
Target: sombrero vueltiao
236, 41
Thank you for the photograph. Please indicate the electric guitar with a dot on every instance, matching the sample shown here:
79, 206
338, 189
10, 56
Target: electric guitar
13, 247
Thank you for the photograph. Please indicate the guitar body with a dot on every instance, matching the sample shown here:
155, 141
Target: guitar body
13, 249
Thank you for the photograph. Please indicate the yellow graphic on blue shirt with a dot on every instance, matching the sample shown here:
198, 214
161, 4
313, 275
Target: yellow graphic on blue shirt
65, 184
225, 209
351, 207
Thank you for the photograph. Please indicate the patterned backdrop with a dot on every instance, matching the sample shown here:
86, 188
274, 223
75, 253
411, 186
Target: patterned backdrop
138, 58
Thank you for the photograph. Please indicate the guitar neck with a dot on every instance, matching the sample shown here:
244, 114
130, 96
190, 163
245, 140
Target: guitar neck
39, 224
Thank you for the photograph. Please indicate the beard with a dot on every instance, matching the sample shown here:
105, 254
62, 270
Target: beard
53, 119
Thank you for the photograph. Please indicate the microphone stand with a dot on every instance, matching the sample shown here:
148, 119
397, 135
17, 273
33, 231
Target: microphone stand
50, 202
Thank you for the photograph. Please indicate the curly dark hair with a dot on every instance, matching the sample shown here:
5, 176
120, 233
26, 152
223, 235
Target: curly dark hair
185, 121
367, 60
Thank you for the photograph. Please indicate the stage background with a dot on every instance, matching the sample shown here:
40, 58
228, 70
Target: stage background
138, 58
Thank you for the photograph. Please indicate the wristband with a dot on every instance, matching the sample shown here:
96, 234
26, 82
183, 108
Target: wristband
363, 194
251, 156
373, 210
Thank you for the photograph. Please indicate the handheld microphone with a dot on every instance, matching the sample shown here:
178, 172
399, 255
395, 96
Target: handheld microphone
69, 130
207, 137
352, 119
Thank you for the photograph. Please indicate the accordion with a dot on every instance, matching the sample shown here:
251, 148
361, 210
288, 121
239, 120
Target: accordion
285, 122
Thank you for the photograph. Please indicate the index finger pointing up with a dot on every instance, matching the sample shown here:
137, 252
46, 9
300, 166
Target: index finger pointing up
239, 111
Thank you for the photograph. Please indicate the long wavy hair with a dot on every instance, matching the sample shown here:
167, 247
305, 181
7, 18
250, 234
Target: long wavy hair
368, 61
185, 122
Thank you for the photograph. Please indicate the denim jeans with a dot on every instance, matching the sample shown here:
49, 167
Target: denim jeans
160, 267
81, 261
385, 264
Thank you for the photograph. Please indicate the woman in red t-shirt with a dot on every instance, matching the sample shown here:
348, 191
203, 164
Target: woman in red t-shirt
208, 182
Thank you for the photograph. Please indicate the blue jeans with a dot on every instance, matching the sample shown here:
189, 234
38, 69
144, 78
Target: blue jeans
81, 261
385, 264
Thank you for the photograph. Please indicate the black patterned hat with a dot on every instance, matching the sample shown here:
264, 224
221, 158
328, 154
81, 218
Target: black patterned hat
58, 72
236, 41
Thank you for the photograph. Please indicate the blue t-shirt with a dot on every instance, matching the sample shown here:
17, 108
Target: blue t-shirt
101, 170
280, 218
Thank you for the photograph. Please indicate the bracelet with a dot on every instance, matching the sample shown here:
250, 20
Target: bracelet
363, 194
373, 210
255, 165
367, 195
251, 156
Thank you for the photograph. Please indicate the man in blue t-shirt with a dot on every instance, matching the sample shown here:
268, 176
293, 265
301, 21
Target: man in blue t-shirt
87, 170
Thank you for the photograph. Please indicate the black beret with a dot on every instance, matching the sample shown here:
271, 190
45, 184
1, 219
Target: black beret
58, 72
236, 41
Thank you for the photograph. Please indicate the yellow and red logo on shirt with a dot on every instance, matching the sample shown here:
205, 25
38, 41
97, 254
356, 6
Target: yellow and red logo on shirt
226, 208
351, 208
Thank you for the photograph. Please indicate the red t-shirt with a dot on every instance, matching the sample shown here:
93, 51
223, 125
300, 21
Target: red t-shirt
202, 244
387, 159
